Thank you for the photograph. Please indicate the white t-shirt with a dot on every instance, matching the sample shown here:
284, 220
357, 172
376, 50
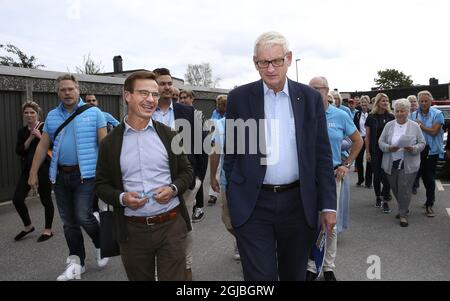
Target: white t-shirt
399, 130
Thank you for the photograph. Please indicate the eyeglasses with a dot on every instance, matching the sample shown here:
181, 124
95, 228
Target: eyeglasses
275, 63
145, 93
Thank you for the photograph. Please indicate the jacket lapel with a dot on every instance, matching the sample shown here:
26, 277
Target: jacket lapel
116, 150
298, 110
256, 104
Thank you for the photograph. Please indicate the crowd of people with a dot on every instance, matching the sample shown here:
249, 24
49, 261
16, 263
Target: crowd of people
276, 197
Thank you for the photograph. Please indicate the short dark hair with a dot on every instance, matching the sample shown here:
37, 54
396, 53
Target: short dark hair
162, 71
129, 82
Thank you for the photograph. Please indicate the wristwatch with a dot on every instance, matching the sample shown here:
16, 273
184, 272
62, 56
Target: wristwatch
174, 189
346, 164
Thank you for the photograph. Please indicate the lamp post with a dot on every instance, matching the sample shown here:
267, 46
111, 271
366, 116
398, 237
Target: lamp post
296, 68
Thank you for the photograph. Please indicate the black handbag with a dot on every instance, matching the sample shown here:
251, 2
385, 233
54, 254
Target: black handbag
108, 245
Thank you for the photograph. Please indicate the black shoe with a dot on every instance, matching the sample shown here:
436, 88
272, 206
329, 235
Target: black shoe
310, 276
403, 222
212, 200
386, 207
359, 183
329, 276
387, 198
378, 202
44, 237
22, 234
198, 215
368, 186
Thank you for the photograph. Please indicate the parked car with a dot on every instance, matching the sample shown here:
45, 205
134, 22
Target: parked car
446, 111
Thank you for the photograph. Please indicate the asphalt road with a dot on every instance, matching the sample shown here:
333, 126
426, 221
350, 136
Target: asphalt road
418, 252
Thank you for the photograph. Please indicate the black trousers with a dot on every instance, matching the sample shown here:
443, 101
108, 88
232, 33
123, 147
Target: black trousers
199, 199
428, 173
379, 176
45, 194
360, 166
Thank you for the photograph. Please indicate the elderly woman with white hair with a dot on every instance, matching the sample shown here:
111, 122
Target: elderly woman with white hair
401, 142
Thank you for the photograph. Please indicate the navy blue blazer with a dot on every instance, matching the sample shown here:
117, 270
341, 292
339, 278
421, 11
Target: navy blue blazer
197, 157
245, 173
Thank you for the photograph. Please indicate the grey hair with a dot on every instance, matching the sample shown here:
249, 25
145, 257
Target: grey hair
425, 92
402, 103
269, 39
411, 97
336, 94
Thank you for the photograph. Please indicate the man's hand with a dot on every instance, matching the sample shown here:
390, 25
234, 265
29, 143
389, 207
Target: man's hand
133, 200
328, 220
163, 195
215, 185
341, 172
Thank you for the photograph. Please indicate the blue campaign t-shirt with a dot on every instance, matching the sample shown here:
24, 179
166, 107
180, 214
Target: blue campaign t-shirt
68, 149
340, 125
434, 116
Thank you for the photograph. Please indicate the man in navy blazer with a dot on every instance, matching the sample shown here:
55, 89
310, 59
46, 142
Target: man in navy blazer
275, 194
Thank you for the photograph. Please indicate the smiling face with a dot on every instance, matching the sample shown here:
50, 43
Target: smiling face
140, 105
273, 76
401, 114
30, 116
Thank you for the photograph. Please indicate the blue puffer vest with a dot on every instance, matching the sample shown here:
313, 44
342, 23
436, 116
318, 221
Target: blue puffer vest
85, 126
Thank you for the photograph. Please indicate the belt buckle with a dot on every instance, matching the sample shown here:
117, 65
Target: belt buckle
276, 187
147, 221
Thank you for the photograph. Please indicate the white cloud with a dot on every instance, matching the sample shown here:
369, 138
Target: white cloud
346, 41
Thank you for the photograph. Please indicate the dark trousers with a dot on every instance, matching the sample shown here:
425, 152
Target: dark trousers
45, 194
275, 242
360, 166
165, 243
428, 173
74, 200
199, 199
379, 177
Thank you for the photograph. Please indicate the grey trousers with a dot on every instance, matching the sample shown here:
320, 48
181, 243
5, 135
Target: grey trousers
401, 186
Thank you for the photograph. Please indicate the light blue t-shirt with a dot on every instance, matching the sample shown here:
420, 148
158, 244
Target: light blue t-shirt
346, 110
340, 125
219, 140
68, 150
434, 116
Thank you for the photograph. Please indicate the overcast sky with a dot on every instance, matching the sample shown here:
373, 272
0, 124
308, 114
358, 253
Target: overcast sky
345, 41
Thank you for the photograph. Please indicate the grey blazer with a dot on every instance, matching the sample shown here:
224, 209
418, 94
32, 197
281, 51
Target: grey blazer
411, 159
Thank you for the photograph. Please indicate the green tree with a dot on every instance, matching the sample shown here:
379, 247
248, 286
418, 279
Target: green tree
23, 60
89, 66
200, 75
391, 78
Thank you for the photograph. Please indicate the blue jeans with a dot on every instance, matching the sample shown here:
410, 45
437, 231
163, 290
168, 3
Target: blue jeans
74, 201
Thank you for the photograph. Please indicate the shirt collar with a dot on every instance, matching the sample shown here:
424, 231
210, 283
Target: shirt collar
170, 108
285, 88
130, 128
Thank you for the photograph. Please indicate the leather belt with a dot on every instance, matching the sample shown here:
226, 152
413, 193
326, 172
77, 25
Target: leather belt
156, 219
280, 188
68, 168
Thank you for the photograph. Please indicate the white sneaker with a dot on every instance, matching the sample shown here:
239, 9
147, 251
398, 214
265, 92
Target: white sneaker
237, 256
97, 216
101, 262
73, 270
